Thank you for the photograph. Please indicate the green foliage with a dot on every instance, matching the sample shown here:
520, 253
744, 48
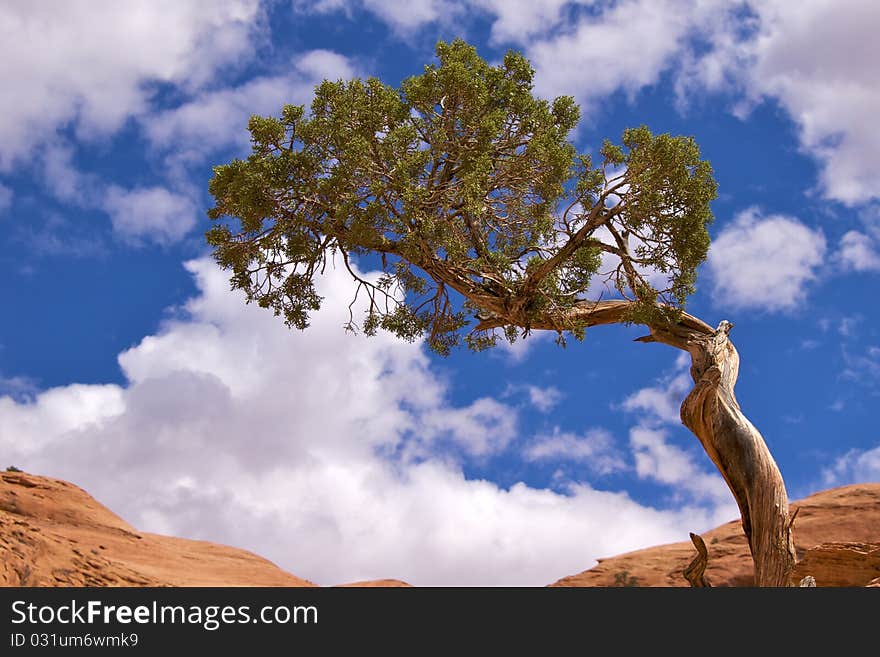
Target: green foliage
469, 189
12, 468
667, 209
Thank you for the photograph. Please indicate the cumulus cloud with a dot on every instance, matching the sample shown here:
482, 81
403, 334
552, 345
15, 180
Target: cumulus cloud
862, 365
149, 214
858, 252
662, 401
186, 134
579, 48
138, 215
817, 59
658, 460
62, 67
594, 58
294, 445
522, 348
856, 466
484, 427
544, 399
764, 262
602, 285
18, 387
518, 21
218, 118
403, 17
63, 178
595, 448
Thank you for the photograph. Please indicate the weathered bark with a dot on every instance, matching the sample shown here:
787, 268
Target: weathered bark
712, 413
736, 447
695, 573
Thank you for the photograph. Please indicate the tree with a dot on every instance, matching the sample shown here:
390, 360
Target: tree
484, 217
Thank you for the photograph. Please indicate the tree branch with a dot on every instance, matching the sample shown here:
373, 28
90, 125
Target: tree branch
695, 573
712, 413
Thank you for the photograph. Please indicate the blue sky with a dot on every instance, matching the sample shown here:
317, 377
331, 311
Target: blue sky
129, 368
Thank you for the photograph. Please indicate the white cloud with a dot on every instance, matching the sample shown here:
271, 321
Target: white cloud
721, 61
53, 414
595, 448
581, 48
660, 461
482, 428
517, 21
764, 262
522, 348
602, 285
661, 402
232, 428
218, 119
91, 63
858, 252
186, 134
404, 17
596, 57
151, 214
6, 196
854, 467
862, 366
815, 58
142, 214
18, 387
544, 399
321, 6
655, 458
64, 180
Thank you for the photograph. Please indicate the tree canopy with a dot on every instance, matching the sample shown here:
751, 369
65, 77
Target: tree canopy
467, 188
466, 191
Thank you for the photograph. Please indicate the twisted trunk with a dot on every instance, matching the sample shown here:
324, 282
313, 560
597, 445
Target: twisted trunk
737, 448
712, 413
695, 573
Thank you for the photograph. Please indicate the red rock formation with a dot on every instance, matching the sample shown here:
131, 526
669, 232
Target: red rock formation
845, 514
841, 564
53, 533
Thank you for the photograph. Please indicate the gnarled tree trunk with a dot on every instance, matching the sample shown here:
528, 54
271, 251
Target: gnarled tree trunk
737, 448
712, 413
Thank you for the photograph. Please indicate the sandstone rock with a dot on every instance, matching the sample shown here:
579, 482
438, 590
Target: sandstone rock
845, 514
841, 564
374, 583
53, 533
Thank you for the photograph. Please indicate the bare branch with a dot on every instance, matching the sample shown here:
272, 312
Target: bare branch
695, 573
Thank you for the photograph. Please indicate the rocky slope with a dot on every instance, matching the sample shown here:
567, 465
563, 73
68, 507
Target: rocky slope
53, 533
837, 537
